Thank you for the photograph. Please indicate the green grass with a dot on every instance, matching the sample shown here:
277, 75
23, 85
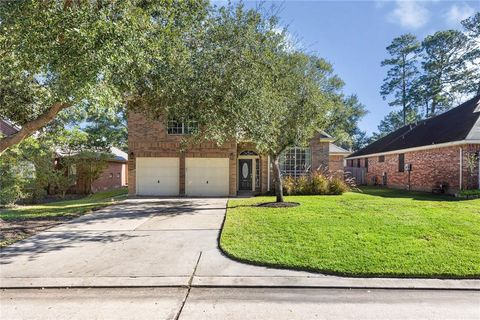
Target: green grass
379, 232
63, 208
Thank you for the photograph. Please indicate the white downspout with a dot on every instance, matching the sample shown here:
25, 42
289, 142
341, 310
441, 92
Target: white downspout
268, 173
461, 168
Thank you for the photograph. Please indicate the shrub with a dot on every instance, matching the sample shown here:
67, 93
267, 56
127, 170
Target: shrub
320, 182
303, 185
337, 186
289, 185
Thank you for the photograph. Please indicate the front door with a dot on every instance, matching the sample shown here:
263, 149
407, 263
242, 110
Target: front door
245, 174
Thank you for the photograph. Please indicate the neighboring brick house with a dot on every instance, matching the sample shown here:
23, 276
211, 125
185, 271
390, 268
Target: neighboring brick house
114, 176
423, 155
157, 166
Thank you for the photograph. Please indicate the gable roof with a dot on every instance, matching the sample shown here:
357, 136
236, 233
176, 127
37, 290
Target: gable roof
458, 124
117, 154
333, 148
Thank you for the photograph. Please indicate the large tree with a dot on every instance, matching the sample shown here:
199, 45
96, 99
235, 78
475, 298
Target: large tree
403, 73
393, 121
58, 54
472, 30
447, 73
246, 83
344, 119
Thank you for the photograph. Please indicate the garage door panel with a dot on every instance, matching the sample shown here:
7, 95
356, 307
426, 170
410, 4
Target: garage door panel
158, 176
207, 176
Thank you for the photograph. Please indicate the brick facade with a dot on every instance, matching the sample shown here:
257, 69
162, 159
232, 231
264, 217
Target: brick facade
336, 164
113, 177
149, 138
429, 168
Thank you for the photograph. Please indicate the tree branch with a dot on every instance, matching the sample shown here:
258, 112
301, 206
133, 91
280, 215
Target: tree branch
29, 128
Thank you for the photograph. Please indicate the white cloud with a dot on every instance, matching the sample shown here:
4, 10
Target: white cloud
409, 14
457, 13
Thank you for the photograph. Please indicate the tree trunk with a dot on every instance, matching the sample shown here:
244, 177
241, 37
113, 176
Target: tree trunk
29, 128
278, 178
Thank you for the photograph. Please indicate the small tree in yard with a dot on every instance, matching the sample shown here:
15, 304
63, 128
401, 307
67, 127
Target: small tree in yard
78, 149
90, 166
302, 96
471, 161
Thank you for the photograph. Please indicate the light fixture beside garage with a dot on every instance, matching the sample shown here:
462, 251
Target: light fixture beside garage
232, 156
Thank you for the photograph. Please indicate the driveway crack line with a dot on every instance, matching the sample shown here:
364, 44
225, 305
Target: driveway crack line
189, 287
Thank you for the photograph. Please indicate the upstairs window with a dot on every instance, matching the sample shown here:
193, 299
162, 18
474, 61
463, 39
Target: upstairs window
401, 162
295, 162
381, 159
182, 127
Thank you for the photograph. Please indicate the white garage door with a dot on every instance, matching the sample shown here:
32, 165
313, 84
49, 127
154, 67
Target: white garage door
206, 176
158, 176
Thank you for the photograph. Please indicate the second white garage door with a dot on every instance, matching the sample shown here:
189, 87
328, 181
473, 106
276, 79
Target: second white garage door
158, 176
206, 176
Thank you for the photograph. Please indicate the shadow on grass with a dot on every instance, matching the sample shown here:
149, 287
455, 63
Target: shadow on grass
403, 194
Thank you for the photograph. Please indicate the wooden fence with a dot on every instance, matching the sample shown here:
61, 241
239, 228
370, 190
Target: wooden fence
358, 173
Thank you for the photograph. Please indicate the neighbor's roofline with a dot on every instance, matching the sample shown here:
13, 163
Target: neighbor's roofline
432, 146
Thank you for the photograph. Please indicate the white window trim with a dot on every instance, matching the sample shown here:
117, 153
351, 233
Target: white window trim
183, 127
297, 172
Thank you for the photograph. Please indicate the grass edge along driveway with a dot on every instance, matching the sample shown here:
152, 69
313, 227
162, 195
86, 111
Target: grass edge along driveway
378, 232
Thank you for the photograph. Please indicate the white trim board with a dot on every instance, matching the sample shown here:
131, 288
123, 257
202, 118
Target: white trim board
432, 146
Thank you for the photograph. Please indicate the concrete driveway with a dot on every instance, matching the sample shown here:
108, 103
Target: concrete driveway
158, 242
159, 258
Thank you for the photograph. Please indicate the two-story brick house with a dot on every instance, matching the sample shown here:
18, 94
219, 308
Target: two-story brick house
157, 166
427, 154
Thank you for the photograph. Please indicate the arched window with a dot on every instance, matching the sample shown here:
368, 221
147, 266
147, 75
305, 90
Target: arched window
248, 153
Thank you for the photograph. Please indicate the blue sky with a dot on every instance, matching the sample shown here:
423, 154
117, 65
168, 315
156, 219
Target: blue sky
352, 35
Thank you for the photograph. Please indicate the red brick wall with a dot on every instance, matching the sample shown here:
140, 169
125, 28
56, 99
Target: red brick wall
429, 166
319, 150
111, 178
336, 164
149, 138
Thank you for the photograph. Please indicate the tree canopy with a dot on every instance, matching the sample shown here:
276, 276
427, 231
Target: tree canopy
432, 76
58, 54
232, 70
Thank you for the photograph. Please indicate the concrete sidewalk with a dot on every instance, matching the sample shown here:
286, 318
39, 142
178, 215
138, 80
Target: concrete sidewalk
158, 243
237, 304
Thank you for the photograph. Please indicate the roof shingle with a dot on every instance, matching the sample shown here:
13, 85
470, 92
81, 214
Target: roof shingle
460, 123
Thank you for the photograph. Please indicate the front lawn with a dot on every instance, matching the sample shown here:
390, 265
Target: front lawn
22, 221
379, 232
